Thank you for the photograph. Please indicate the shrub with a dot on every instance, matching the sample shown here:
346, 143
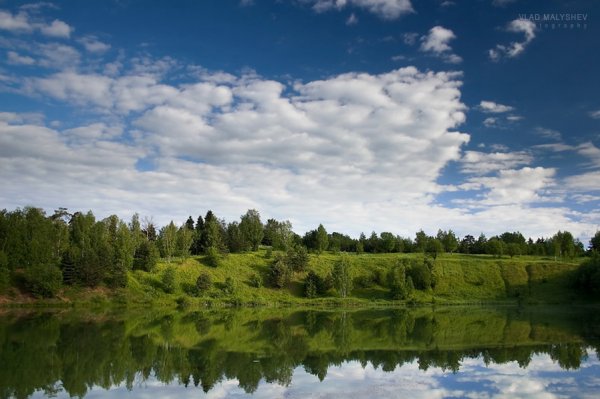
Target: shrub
420, 276
279, 273
213, 257
255, 281
203, 283
587, 278
269, 253
297, 258
342, 277
168, 280
43, 280
364, 281
182, 302
229, 286
312, 283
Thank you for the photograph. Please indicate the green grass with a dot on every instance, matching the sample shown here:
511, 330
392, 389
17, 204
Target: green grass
458, 278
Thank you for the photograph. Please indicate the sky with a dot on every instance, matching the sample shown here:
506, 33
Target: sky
478, 116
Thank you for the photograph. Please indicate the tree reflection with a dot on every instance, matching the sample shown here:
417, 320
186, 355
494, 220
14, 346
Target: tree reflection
52, 352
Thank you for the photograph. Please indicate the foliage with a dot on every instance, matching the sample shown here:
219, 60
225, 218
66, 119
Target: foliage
595, 242
588, 276
279, 273
203, 283
213, 257
420, 275
167, 239
255, 281
146, 256
297, 258
434, 247
168, 279
252, 228
342, 277
321, 239
43, 280
397, 281
229, 286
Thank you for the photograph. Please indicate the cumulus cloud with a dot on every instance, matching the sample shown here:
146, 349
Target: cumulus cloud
22, 22
494, 108
386, 9
436, 42
514, 49
490, 122
93, 45
17, 59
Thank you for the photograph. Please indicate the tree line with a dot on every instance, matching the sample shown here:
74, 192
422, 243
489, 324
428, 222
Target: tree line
40, 252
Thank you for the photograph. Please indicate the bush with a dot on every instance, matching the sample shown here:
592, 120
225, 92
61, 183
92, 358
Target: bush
168, 280
297, 259
364, 281
4, 279
203, 283
311, 284
587, 278
420, 275
43, 280
182, 302
279, 273
213, 257
229, 286
269, 253
255, 281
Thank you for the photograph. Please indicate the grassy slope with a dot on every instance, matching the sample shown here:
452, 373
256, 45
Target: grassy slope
460, 279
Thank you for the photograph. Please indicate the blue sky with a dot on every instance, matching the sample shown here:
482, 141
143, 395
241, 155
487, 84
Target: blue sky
362, 115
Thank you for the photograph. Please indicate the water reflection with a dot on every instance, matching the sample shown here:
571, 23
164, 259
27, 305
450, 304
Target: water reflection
272, 353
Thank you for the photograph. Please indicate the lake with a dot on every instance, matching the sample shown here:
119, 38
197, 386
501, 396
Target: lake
451, 352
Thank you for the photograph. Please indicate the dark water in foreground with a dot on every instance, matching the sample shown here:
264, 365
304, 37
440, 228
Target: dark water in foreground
464, 352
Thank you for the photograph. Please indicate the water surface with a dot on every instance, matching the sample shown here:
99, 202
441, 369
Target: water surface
464, 352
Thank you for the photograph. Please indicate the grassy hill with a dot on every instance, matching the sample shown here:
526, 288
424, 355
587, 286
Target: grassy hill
458, 279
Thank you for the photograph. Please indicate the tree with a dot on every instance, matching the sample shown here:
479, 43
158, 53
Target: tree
189, 223
252, 228
235, 239
342, 277
312, 284
168, 280
279, 273
421, 240
213, 233
495, 246
198, 236
185, 239
513, 249
146, 256
388, 242
467, 244
167, 240
297, 258
448, 240
322, 239
420, 275
397, 281
434, 247
595, 242
43, 280
277, 234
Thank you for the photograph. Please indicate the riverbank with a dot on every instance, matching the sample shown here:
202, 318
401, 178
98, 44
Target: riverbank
242, 280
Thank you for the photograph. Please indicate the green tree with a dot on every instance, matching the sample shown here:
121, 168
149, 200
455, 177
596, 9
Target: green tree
434, 247
297, 258
448, 240
513, 249
146, 256
167, 239
595, 242
43, 280
185, 239
168, 279
397, 281
252, 228
279, 273
235, 238
421, 240
495, 246
277, 234
322, 239
342, 276
312, 284
388, 242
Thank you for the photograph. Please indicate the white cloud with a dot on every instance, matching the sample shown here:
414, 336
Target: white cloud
595, 114
514, 118
490, 122
352, 20
548, 133
494, 108
436, 42
410, 38
483, 163
512, 186
22, 23
502, 3
524, 26
18, 23
17, 59
58, 56
386, 9
93, 45
56, 29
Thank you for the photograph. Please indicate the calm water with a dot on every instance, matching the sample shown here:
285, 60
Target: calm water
464, 352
